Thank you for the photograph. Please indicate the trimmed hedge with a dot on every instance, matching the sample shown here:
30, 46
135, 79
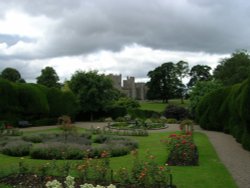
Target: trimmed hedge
21, 101
227, 109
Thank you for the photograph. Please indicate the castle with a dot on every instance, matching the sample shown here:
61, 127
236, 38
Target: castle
135, 90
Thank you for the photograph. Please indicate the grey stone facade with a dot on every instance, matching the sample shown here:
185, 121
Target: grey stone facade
130, 88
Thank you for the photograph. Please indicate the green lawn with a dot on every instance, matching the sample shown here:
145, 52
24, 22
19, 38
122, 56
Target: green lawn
211, 173
160, 107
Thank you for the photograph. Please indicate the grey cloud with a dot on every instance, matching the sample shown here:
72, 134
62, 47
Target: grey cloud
87, 26
209, 27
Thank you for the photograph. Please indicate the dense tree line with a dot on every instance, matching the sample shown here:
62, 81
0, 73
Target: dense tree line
166, 81
87, 95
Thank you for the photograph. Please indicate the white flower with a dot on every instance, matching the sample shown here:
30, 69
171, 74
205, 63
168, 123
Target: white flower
111, 186
70, 182
86, 185
53, 184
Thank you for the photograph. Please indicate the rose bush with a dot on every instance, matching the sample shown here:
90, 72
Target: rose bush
182, 150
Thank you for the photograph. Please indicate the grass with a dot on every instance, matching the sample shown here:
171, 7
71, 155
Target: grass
211, 173
160, 107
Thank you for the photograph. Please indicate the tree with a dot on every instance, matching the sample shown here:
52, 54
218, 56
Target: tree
48, 77
164, 82
199, 73
199, 90
182, 72
94, 91
11, 74
234, 69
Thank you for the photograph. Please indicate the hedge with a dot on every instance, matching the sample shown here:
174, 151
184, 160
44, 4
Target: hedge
227, 109
21, 101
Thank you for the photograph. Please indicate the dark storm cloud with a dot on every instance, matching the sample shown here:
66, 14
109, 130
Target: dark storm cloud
86, 26
181, 25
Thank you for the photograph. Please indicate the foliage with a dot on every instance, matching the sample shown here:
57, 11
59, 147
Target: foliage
70, 183
127, 102
11, 74
183, 151
17, 149
53, 146
8, 100
33, 102
142, 114
94, 91
34, 138
165, 82
66, 126
176, 112
109, 131
142, 174
148, 173
199, 90
234, 69
44, 121
57, 150
58, 108
187, 126
208, 159
36, 103
199, 73
48, 77
115, 111
227, 109
171, 121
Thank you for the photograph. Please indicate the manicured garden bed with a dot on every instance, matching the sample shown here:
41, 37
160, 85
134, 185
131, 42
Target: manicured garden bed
210, 173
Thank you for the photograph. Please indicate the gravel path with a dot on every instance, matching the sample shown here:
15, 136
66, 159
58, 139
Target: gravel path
234, 157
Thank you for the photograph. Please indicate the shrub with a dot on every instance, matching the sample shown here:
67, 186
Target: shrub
176, 112
120, 119
119, 150
101, 138
183, 151
143, 114
70, 139
58, 150
86, 135
17, 148
35, 138
171, 121
116, 111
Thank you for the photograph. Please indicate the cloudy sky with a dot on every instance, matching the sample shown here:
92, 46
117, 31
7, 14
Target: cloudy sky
130, 37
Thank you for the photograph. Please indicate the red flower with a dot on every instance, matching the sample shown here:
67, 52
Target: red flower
183, 141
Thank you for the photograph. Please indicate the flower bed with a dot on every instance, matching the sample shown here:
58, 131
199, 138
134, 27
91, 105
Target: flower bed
143, 174
57, 146
182, 150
